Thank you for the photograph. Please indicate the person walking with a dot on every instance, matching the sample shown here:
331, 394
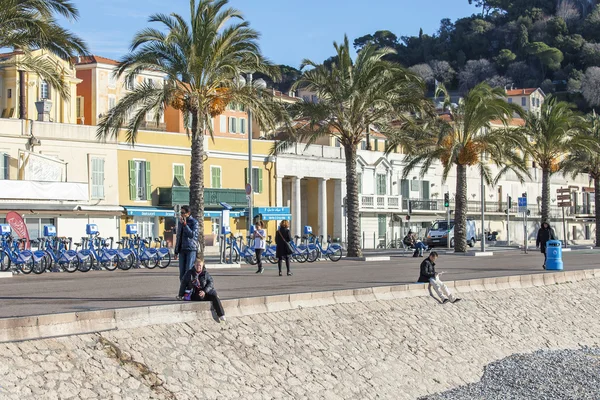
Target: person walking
545, 233
187, 241
259, 244
428, 275
200, 286
283, 248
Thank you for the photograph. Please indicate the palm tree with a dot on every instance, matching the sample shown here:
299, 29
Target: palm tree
585, 159
202, 60
27, 25
353, 96
551, 135
465, 139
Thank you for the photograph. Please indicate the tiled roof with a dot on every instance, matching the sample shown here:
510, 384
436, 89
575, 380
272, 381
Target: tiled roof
512, 122
520, 92
93, 60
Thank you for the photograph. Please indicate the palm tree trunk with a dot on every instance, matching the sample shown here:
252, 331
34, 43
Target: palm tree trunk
197, 178
597, 205
352, 203
460, 217
545, 194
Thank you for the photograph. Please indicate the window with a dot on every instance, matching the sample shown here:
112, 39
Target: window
381, 225
97, 177
314, 98
257, 179
9, 94
232, 125
79, 104
4, 166
381, 185
363, 145
112, 81
376, 145
139, 180
112, 102
359, 177
510, 100
145, 226
215, 177
242, 125
222, 124
337, 142
241, 107
179, 175
129, 84
149, 82
523, 101
44, 90
537, 102
35, 226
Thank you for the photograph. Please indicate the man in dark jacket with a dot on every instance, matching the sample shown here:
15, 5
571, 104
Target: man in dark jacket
201, 287
545, 234
187, 241
428, 275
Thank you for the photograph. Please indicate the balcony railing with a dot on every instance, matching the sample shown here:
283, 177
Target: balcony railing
170, 196
422, 205
375, 202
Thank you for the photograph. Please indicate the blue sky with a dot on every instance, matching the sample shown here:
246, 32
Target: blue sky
291, 30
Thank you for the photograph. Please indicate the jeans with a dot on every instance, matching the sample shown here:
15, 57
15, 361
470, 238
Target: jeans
441, 289
186, 262
258, 253
419, 247
287, 262
214, 299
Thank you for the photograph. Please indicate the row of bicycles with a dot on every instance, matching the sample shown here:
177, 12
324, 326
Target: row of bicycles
308, 248
93, 252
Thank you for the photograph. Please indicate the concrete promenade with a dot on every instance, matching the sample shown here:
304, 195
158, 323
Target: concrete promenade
96, 290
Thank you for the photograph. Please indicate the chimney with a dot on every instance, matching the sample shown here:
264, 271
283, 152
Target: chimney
78, 60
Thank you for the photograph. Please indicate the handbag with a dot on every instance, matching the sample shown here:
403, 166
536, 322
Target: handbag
289, 246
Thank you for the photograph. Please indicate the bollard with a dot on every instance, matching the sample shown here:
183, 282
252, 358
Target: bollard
554, 255
363, 246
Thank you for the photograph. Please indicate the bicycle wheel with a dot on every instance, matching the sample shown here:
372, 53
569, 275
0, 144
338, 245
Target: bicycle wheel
49, 260
71, 265
335, 255
86, 261
126, 262
149, 261
111, 264
40, 266
251, 259
312, 256
165, 261
232, 258
5, 262
26, 267
300, 257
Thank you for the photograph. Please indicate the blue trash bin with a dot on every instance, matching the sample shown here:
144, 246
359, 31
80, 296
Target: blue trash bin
554, 255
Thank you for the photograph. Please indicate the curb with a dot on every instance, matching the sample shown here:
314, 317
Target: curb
86, 322
6, 274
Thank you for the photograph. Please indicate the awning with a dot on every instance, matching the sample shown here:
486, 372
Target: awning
100, 209
149, 212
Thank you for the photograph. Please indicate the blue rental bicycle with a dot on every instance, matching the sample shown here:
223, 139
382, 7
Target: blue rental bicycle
142, 251
58, 250
24, 260
98, 251
233, 252
333, 251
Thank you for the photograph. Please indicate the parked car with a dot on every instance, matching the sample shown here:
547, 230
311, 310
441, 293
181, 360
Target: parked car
438, 233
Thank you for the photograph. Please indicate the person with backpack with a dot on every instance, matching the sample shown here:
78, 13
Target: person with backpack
545, 233
284, 249
198, 285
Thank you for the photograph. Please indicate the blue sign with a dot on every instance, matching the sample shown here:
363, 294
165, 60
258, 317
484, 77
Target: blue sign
271, 210
149, 212
522, 201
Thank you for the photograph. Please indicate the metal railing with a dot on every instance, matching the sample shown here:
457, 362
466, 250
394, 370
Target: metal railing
375, 202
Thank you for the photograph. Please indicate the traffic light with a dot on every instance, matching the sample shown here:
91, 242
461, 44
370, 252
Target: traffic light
446, 199
409, 208
509, 202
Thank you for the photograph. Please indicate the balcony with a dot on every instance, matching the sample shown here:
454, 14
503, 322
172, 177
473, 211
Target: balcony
170, 196
423, 205
379, 203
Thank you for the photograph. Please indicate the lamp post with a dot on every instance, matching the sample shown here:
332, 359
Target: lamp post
259, 84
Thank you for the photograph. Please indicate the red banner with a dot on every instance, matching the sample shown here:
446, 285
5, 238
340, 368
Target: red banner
17, 223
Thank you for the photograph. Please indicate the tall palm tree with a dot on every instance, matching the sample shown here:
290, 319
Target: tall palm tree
27, 25
585, 159
202, 60
551, 135
353, 96
466, 139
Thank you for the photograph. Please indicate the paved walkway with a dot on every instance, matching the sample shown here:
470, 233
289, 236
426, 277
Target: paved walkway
62, 292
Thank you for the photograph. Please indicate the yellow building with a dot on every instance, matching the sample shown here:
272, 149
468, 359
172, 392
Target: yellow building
154, 177
37, 92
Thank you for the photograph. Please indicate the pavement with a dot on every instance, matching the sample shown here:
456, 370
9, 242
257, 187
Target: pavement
26, 295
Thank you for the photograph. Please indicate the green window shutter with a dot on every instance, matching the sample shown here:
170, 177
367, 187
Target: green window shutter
218, 178
260, 181
132, 181
425, 191
148, 183
404, 189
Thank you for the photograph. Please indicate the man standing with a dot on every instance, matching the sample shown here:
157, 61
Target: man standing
259, 244
187, 241
544, 234
428, 275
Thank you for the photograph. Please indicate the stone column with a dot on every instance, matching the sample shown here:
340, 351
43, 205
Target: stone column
339, 218
279, 191
297, 208
322, 229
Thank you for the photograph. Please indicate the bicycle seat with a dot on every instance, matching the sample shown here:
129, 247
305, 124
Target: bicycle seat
119, 242
77, 244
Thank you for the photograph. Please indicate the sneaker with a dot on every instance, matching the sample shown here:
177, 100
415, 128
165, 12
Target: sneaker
179, 298
259, 271
222, 318
445, 301
456, 299
280, 274
544, 266
289, 273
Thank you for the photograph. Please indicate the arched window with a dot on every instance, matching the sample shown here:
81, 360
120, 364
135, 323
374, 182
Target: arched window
44, 90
